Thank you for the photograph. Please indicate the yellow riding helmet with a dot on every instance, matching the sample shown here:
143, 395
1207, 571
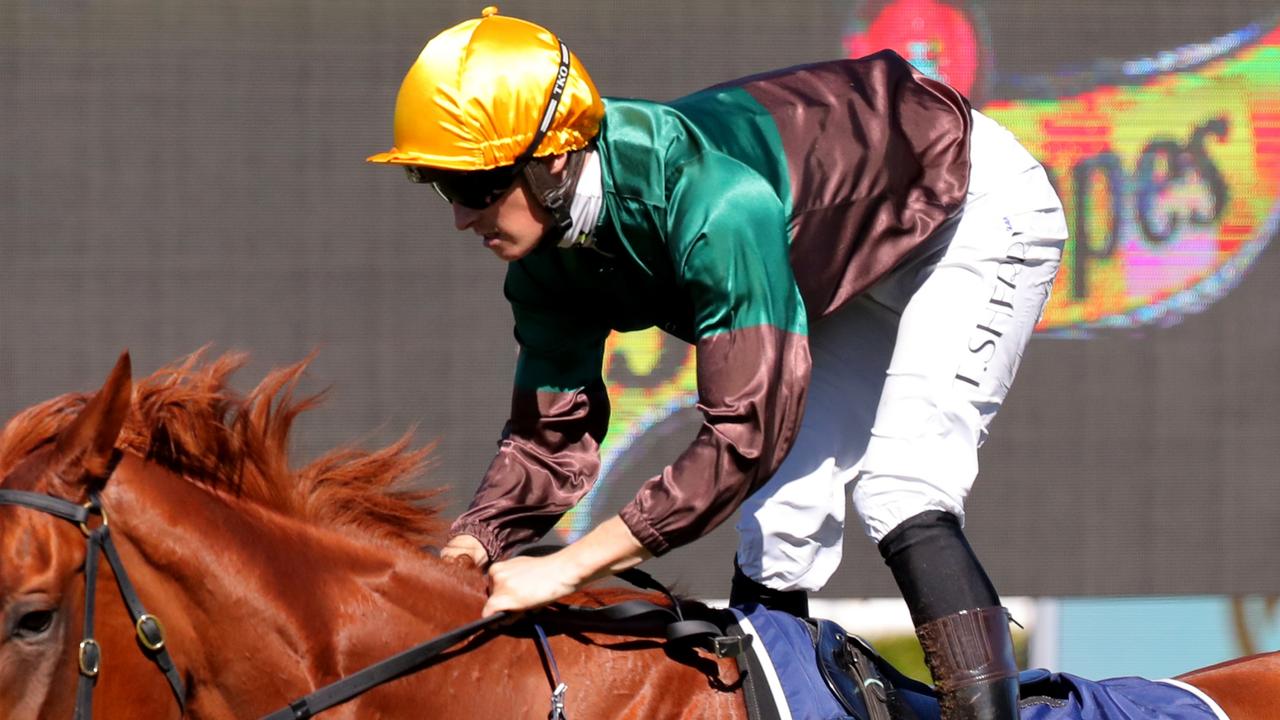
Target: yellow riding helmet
477, 94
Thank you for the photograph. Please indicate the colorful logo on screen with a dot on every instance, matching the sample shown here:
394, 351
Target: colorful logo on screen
1168, 166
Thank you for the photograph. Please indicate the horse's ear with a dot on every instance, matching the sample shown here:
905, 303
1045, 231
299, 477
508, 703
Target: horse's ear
86, 446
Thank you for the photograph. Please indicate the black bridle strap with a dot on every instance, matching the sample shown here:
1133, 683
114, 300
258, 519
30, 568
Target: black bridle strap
411, 660
88, 643
46, 504
146, 626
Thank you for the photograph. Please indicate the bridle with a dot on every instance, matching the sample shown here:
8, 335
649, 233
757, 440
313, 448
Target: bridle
147, 626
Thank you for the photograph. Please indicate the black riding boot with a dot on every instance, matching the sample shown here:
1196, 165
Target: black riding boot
745, 591
958, 618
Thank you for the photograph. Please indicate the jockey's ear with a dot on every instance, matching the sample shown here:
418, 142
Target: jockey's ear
84, 449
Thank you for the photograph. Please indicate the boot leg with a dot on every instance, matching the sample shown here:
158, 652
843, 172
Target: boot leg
962, 628
970, 655
746, 591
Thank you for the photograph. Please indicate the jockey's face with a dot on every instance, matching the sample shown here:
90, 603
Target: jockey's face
513, 225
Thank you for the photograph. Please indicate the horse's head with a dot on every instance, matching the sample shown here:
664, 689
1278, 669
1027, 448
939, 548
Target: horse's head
182, 486
42, 557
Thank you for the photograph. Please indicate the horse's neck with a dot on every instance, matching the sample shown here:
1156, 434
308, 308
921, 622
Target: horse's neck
231, 580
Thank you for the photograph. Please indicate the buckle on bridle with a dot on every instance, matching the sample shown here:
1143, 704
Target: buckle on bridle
90, 657
150, 631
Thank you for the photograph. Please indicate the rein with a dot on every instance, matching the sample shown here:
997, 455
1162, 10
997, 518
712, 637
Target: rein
412, 660
640, 614
147, 627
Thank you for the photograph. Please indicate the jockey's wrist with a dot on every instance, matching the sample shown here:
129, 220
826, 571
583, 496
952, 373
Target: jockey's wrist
465, 546
608, 549
484, 534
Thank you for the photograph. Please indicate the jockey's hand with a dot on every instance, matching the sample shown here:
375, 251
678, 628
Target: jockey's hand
523, 583
465, 549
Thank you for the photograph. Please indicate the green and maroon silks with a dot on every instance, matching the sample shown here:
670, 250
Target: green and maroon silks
751, 389
547, 460
865, 191
733, 218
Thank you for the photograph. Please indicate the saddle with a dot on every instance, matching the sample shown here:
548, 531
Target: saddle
791, 668
801, 669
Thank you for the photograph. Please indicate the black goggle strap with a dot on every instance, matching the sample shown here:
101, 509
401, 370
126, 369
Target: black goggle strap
543, 185
553, 104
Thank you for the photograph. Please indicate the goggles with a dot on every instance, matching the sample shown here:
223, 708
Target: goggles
476, 190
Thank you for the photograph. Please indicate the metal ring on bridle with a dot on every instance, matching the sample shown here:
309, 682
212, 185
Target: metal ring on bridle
92, 507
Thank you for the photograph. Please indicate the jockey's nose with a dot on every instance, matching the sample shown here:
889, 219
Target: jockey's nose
464, 217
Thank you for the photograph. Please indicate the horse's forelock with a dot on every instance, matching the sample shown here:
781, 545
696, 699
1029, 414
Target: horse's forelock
188, 418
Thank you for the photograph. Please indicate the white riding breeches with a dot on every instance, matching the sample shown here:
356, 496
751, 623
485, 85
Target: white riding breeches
908, 376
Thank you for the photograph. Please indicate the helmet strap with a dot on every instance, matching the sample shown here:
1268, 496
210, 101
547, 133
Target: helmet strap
555, 194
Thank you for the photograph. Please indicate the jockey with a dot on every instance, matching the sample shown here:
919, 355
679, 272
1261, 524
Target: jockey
859, 259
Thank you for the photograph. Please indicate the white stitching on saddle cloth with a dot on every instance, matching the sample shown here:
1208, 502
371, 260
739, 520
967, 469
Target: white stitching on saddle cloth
770, 674
1198, 693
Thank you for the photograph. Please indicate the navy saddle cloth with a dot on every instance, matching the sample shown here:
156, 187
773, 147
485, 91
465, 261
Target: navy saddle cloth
797, 669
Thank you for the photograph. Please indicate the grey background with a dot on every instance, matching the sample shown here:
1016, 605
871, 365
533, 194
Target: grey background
177, 173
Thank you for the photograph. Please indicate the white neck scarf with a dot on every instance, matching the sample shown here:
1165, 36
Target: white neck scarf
586, 206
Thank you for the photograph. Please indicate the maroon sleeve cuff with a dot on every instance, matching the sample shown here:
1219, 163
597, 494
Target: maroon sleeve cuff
643, 531
487, 536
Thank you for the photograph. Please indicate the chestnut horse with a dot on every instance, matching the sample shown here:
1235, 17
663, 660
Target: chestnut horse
269, 582
272, 582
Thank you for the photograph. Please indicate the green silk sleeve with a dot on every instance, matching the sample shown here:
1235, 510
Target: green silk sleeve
727, 234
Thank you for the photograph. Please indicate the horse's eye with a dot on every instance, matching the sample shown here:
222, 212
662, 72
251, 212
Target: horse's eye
33, 624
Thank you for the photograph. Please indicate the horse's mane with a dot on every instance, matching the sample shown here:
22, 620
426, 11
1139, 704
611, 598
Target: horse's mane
186, 418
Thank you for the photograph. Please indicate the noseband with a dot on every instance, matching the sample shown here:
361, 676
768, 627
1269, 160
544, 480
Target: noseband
149, 631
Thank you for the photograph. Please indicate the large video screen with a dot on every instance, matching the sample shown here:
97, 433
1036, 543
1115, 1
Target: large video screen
182, 174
